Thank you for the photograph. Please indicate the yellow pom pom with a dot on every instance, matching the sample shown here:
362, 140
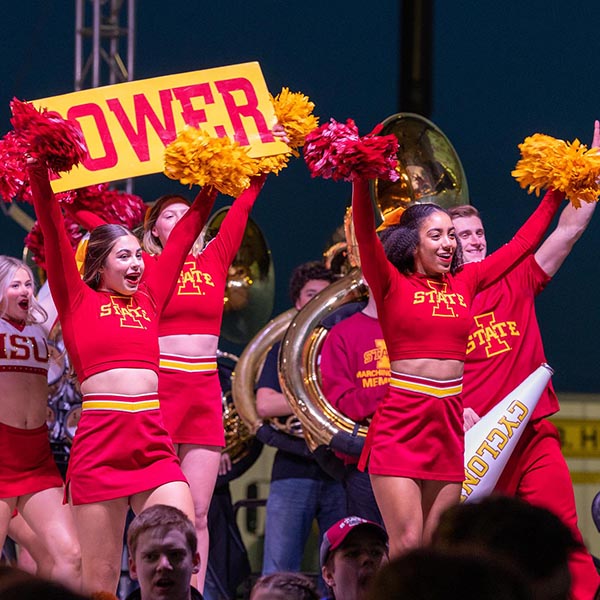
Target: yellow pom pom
195, 157
547, 162
294, 112
272, 164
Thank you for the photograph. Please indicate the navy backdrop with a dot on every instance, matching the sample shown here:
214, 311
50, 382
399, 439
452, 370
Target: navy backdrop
502, 70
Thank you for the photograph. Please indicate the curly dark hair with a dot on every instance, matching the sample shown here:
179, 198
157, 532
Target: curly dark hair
307, 272
400, 241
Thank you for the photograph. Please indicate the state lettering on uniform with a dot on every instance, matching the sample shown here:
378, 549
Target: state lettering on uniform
443, 302
492, 335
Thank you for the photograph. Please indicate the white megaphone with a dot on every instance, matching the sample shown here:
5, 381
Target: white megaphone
491, 441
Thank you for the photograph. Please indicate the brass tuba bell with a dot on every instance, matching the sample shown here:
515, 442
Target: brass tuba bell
429, 168
430, 171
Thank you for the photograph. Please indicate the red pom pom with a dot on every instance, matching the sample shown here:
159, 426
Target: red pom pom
49, 137
336, 151
13, 176
34, 240
113, 206
127, 209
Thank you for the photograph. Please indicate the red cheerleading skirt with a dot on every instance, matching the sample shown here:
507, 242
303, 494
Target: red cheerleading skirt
26, 462
417, 431
191, 399
121, 448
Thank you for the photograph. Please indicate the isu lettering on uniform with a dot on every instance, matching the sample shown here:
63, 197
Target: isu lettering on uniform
23, 348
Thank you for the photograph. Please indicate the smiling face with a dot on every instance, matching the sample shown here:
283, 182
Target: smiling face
470, 232
123, 267
17, 300
167, 219
163, 564
437, 245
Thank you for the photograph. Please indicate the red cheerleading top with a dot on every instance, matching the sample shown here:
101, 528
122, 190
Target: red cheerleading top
23, 348
505, 343
196, 304
104, 330
429, 317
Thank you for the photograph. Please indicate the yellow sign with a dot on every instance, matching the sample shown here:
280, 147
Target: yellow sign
127, 126
579, 438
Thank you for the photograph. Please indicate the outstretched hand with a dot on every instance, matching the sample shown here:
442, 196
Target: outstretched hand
596, 137
470, 417
36, 167
279, 132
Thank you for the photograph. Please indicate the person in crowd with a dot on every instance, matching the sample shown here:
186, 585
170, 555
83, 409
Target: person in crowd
163, 554
415, 444
122, 455
31, 487
532, 539
300, 490
351, 553
437, 575
284, 586
355, 373
504, 347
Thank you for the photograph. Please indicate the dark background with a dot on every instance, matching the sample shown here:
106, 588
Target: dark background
501, 71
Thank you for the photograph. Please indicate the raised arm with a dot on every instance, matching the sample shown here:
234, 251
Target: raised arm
571, 225
523, 243
63, 275
162, 278
373, 260
228, 240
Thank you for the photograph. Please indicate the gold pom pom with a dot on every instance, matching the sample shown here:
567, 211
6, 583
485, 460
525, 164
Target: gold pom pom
294, 112
272, 164
547, 162
195, 157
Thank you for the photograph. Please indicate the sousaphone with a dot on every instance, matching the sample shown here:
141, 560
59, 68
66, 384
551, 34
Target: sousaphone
430, 171
249, 295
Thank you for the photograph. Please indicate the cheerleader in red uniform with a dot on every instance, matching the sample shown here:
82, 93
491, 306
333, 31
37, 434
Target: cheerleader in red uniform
122, 455
189, 327
415, 445
29, 479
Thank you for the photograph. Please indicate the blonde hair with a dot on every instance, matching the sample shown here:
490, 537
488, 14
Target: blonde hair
152, 243
8, 269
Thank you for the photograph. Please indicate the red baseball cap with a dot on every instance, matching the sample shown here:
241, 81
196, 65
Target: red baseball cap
336, 534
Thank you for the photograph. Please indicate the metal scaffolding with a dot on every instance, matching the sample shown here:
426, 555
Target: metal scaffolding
104, 34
